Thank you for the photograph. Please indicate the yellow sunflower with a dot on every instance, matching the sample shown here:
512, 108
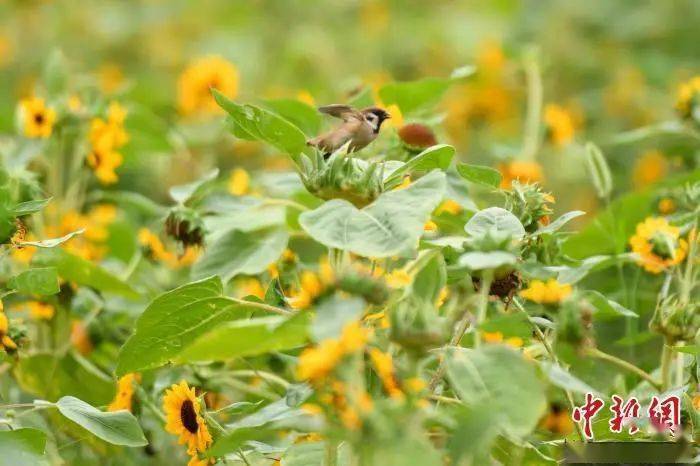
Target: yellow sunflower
195, 84
549, 292
38, 119
6, 342
125, 393
658, 245
182, 410
522, 170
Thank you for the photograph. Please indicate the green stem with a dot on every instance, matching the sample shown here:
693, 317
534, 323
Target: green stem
331, 453
666, 362
483, 306
552, 355
262, 306
531, 140
145, 399
621, 363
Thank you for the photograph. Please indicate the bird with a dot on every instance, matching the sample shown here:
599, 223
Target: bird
359, 128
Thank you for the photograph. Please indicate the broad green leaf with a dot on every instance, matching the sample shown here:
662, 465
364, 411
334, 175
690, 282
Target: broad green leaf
689, 349
83, 272
249, 337
51, 243
38, 281
118, 427
607, 308
50, 377
435, 157
390, 225
233, 441
430, 278
476, 423
479, 174
599, 170
186, 192
486, 260
314, 454
56, 73
136, 201
257, 124
487, 375
240, 252
571, 275
22, 447
173, 321
559, 222
497, 219
564, 379
29, 207
417, 95
305, 117
333, 313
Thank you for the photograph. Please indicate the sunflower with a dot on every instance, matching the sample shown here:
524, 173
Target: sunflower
522, 170
6, 342
38, 119
658, 245
125, 393
195, 84
549, 292
182, 409
561, 124
688, 97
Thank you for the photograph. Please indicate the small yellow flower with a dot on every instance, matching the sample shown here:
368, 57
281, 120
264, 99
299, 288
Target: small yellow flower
195, 460
195, 84
250, 287
442, 296
157, 250
560, 123
415, 384
497, 337
182, 411
111, 77
450, 206
306, 97
38, 119
651, 167
74, 103
666, 206
696, 401
521, 170
239, 182
6, 342
658, 245
688, 96
310, 288
106, 138
125, 392
430, 226
396, 120
381, 317
40, 311
384, 366
549, 292
79, 338
405, 183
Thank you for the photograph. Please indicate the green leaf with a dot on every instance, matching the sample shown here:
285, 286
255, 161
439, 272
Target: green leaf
233, 441
487, 375
257, 124
495, 219
333, 313
599, 170
390, 225
416, 95
29, 207
689, 349
486, 260
186, 192
435, 157
22, 447
572, 275
607, 308
241, 252
303, 116
430, 278
38, 281
118, 427
50, 377
51, 243
248, 337
83, 272
559, 222
479, 174
173, 321
564, 379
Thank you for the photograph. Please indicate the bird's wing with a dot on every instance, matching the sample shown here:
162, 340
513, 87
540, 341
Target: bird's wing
344, 112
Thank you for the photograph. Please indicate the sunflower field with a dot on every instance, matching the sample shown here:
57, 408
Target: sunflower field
505, 272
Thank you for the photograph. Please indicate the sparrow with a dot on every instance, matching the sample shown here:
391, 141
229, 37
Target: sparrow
359, 127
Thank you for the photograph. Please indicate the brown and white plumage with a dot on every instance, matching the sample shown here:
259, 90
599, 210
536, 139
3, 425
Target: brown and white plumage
359, 127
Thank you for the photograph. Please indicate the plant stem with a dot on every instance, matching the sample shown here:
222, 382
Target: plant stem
483, 306
146, 400
552, 355
331, 453
531, 140
666, 361
621, 363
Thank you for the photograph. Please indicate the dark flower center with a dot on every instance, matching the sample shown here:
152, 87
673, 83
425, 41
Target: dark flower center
189, 416
39, 118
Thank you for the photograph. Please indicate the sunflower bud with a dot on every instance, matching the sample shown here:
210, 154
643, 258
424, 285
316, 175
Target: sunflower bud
372, 290
184, 225
676, 321
530, 204
417, 137
575, 323
342, 177
416, 325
